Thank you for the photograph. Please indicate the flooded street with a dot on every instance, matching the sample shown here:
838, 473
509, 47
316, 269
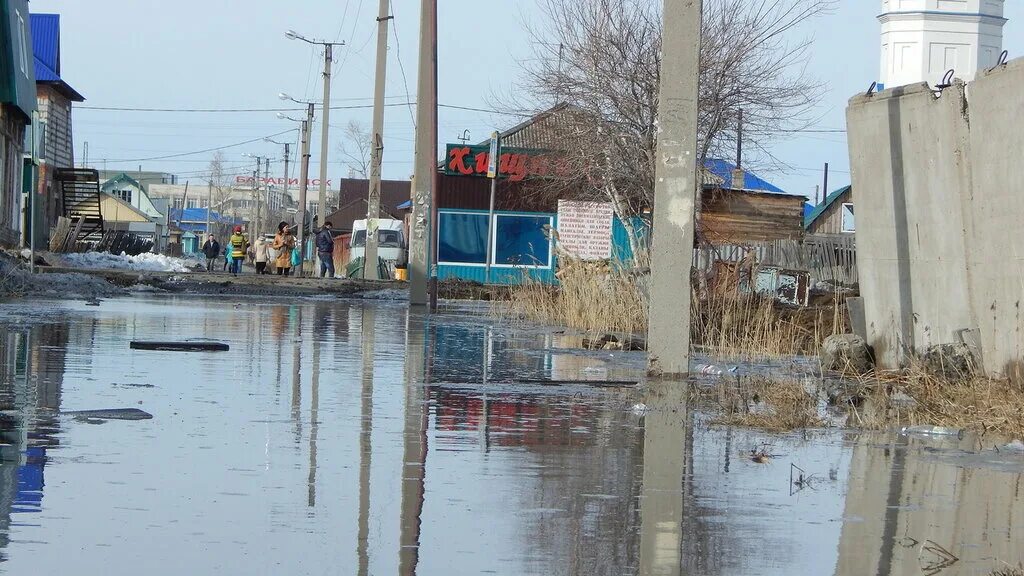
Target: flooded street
360, 438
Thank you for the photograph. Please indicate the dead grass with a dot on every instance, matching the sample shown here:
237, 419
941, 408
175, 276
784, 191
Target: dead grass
969, 402
763, 403
611, 298
597, 299
750, 326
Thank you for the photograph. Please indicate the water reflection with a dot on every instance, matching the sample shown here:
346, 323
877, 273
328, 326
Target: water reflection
338, 435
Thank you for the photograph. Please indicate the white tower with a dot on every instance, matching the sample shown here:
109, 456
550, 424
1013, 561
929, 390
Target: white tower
923, 39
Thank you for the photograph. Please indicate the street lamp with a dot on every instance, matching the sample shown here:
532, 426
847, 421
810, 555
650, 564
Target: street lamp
328, 50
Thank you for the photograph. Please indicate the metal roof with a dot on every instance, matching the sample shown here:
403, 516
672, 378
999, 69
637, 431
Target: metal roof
820, 208
752, 182
46, 48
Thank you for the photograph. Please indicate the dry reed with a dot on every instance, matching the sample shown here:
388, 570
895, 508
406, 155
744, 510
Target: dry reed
763, 403
593, 298
970, 402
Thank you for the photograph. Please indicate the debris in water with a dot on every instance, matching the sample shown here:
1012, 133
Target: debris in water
712, 370
762, 455
933, 558
1015, 446
931, 431
187, 346
111, 414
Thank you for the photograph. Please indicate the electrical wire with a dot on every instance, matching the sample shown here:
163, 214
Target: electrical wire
401, 66
182, 154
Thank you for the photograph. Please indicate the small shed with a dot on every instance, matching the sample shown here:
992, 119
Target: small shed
834, 215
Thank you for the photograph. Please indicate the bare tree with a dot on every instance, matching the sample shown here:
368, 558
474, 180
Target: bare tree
221, 183
356, 148
602, 59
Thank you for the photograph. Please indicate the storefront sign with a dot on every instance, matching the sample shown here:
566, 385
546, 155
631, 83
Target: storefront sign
17, 72
516, 164
585, 229
247, 180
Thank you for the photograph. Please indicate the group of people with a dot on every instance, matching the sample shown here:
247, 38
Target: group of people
282, 251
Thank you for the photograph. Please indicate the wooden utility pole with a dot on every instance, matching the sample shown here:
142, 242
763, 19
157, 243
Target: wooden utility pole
420, 252
675, 188
376, 145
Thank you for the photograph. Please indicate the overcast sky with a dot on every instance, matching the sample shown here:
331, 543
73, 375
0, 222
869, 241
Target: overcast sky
229, 54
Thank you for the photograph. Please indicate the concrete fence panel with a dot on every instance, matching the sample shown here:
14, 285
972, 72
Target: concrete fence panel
995, 216
908, 157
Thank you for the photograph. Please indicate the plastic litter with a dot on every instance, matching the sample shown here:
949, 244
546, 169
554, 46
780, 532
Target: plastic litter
931, 431
713, 370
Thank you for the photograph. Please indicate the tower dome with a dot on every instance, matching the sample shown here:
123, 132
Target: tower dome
923, 39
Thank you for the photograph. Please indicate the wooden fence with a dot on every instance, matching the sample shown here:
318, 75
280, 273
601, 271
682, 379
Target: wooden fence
831, 259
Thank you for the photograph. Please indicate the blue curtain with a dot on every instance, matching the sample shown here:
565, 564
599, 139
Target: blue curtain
521, 241
462, 238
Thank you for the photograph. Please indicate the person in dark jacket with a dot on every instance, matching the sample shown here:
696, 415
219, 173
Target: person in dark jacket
325, 250
212, 251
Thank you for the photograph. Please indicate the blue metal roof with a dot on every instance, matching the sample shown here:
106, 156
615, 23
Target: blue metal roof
751, 181
46, 48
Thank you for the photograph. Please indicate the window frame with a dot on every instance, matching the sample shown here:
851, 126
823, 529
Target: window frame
842, 218
439, 225
494, 240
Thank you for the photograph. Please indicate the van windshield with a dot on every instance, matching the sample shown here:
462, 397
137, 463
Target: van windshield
385, 239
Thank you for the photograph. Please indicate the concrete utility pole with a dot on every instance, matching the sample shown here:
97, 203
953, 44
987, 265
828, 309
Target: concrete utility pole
420, 251
307, 125
376, 145
266, 182
675, 187
287, 152
326, 126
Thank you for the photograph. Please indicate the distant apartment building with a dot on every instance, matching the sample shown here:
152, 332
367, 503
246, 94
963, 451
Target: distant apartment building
234, 202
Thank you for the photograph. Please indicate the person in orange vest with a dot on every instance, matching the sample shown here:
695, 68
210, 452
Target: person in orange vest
238, 244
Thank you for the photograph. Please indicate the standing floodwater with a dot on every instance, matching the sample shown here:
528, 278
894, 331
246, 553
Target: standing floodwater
357, 438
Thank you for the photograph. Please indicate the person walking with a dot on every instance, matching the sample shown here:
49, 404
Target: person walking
211, 249
238, 244
325, 250
284, 243
262, 255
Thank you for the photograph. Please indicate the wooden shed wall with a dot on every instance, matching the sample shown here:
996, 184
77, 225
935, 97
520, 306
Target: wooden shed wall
831, 220
732, 216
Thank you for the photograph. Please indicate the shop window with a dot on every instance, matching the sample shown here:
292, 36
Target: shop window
462, 238
522, 241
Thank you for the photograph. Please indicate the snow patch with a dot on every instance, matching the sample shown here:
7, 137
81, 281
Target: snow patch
147, 262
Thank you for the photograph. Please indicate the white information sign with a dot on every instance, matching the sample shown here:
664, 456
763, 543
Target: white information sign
585, 229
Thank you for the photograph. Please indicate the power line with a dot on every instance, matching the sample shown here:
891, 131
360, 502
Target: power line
401, 67
247, 110
261, 138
